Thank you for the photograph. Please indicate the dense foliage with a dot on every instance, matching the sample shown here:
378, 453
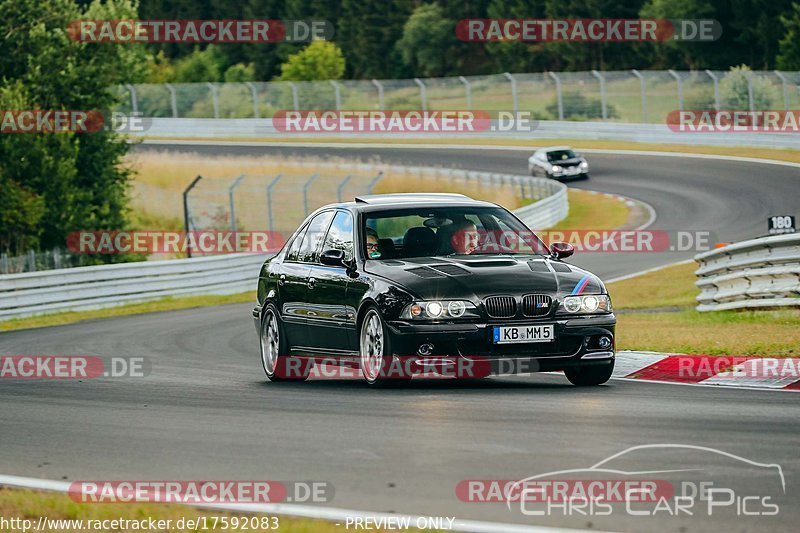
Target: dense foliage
54, 183
405, 38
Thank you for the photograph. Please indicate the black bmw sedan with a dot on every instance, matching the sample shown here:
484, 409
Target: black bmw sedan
400, 285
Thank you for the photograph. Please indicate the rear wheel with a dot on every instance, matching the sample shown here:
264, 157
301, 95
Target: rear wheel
589, 375
277, 364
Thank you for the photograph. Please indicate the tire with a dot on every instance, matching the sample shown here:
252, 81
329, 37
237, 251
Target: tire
375, 353
277, 364
589, 375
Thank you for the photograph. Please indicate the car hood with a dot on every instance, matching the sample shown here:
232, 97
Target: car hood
568, 162
476, 277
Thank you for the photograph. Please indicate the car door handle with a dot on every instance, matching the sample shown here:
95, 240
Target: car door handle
311, 283
282, 279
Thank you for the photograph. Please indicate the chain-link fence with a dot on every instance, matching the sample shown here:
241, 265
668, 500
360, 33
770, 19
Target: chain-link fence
623, 96
255, 202
34, 261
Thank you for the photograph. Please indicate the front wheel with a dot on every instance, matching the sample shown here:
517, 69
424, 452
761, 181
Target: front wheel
589, 375
274, 351
375, 352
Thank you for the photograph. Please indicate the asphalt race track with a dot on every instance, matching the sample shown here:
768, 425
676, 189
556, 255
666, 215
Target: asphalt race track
206, 411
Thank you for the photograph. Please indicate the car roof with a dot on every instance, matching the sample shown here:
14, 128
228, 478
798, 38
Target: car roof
379, 202
554, 148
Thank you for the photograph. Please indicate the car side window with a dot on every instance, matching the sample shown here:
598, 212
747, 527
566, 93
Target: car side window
313, 237
340, 235
294, 247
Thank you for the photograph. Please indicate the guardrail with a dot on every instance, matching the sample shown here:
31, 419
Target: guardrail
757, 273
251, 128
96, 287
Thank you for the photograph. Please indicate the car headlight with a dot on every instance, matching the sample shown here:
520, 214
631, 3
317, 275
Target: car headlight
584, 165
556, 168
591, 303
430, 310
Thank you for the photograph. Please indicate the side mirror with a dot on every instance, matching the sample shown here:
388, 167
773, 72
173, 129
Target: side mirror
332, 258
561, 250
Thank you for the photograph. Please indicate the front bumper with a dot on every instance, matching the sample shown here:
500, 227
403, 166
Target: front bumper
575, 344
571, 175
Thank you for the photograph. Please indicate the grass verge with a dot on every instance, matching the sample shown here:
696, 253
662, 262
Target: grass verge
30, 505
591, 210
684, 330
165, 304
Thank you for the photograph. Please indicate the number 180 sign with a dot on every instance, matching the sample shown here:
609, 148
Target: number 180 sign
782, 224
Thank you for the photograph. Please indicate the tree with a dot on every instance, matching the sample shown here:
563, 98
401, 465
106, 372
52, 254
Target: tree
80, 178
367, 31
734, 90
200, 66
320, 60
789, 46
426, 46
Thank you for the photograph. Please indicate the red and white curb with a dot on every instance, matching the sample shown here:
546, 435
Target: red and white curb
708, 370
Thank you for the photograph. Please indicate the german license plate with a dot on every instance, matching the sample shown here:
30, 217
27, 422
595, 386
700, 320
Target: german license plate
514, 334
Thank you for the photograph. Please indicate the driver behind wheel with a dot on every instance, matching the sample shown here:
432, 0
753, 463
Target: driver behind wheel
372, 244
464, 239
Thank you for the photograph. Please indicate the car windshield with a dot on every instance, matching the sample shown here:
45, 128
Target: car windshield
560, 155
445, 231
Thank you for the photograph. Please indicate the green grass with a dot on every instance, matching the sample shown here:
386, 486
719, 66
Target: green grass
670, 287
28, 504
757, 333
593, 211
164, 304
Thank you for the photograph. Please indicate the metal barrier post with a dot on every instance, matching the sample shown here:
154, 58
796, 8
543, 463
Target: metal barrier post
785, 89
467, 91
341, 187
173, 99
374, 182
378, 84
269, 198
231, 190
337, 94
602, 93
558, 95
214, 98
643, 83
254, 92
680, 88
514, 99
295, 96
306, 185
134, 97
186, 217
422, 94
715, 79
